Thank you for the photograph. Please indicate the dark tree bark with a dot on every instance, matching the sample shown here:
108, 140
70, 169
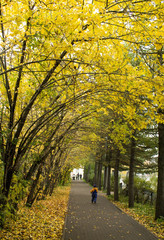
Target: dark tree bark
109, 180
47, 178
99, 175
105, 178
33, 192
96, 173
131, 173
56, 173
116, 177
87, 172
31, 171
159, 212
109, 158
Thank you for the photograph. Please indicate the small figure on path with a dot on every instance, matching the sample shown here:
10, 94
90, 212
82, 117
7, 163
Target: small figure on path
94, 192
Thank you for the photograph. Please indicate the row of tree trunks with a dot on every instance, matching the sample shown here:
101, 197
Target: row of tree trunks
107, 173
87, 172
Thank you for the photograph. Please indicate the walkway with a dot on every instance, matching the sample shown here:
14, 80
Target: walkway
100, 221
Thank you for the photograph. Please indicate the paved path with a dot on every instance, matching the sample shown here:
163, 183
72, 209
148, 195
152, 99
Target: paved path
100, 221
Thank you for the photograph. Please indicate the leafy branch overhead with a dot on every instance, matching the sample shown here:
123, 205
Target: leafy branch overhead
66, 65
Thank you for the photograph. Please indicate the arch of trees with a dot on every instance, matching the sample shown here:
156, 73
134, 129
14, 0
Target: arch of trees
67, 67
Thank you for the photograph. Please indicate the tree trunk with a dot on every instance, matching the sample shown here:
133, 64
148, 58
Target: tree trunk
86, 172
33, 194
47, 184
53, 183
109, 158
31, 171
105, 178
159, 212
116, 180
7, 178
95, 173
99, 174
131, 173
108, 180
8, 174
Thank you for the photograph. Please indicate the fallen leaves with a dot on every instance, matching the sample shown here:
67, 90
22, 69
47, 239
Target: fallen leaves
44, 220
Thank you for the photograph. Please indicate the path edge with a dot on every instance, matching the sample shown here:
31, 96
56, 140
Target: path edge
121, 210
65, 219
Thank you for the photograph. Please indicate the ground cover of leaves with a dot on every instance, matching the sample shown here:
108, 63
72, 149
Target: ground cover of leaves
144, 216
44, 220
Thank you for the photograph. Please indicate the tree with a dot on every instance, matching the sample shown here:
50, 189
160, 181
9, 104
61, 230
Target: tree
65, 51
26, 65
160, 187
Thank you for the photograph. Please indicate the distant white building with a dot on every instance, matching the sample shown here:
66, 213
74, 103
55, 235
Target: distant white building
77, 174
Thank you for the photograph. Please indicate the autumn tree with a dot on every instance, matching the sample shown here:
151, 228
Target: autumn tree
29, 62
62, 52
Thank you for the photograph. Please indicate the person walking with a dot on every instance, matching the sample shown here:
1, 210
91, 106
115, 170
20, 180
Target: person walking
94, 192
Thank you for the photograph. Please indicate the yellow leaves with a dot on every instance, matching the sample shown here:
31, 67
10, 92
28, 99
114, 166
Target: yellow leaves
158, 45
53, 27
93, 137
103, 110
45, 220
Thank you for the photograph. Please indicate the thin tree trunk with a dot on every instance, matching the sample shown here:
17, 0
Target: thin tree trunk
95, 173
116, 180
131, 173
108, 180
88, 172
99, 175
85, 170
105, 178
109, 158
159, 211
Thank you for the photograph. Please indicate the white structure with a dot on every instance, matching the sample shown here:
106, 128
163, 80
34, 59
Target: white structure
77, 174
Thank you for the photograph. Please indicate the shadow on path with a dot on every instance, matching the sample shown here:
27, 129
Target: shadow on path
100, 221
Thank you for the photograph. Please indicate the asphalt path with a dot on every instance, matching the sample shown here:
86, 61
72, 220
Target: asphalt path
100, 221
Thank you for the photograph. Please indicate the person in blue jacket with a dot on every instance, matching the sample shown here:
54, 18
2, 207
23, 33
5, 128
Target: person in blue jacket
94, 192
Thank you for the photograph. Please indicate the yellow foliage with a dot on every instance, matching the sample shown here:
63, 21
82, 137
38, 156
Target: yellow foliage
44, 220
112, 55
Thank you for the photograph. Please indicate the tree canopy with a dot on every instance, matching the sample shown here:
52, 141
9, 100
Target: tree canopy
63, 62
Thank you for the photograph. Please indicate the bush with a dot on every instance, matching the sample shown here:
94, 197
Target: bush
143, 190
